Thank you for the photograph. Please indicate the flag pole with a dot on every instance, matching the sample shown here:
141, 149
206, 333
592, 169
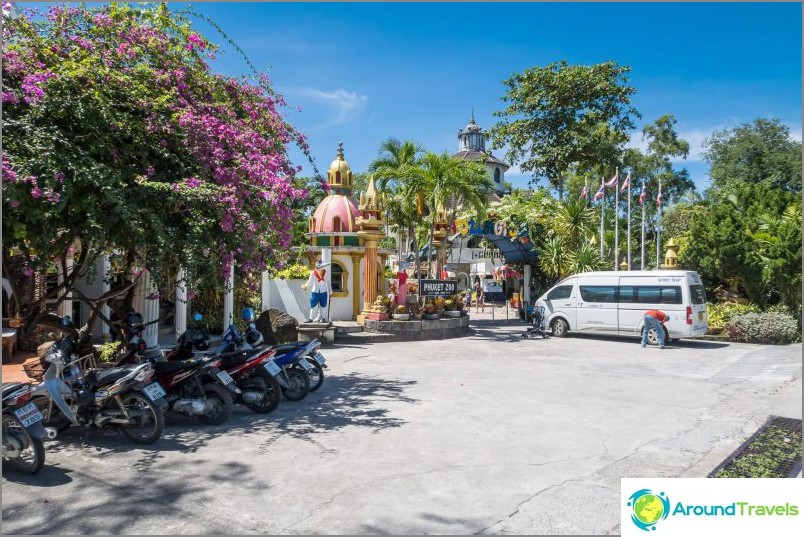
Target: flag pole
616, 216
659, 226
642, 203
602, 214
629, 220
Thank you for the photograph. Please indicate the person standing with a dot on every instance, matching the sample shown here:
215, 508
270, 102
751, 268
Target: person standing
654, 319
479, 298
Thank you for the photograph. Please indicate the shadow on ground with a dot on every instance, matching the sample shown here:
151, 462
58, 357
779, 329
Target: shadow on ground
342, 401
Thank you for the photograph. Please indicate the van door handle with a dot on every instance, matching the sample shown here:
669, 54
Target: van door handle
568, 303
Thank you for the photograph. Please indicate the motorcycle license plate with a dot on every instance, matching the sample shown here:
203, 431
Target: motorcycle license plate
272, 368
320, 358
225, 378
305, 364
154, 391
28, 415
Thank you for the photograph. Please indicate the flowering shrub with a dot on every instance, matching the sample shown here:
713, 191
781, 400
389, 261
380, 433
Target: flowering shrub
773, 328
116, 132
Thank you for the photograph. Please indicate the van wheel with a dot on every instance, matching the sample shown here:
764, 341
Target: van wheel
653, 338
559, 327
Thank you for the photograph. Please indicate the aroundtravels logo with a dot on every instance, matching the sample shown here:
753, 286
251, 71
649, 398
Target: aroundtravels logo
648, 508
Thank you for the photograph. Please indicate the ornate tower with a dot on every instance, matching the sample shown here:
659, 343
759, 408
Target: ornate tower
339, 174
369, 223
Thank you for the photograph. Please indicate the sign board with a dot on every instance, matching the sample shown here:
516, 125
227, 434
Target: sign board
442, 288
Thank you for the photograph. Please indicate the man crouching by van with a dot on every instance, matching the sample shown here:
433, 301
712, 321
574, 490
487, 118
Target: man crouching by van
654, 319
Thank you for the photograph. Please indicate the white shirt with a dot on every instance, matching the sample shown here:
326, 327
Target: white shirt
318, 286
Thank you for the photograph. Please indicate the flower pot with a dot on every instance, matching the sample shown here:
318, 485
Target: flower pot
452, 314
430, 316
464, 313
417, 316
402, 317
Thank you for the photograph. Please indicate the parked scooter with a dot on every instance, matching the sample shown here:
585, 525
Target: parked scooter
23, 431
257, 378
120, 397
196, 386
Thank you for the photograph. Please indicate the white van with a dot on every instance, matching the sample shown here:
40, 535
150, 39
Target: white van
616, 302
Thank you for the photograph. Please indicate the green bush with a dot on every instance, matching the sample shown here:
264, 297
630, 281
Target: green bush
773, 328
720, 314
108, 351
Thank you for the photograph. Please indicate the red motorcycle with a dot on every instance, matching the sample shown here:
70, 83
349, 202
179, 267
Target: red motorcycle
196, 387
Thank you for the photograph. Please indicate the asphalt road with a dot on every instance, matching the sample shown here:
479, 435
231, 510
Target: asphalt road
484, 434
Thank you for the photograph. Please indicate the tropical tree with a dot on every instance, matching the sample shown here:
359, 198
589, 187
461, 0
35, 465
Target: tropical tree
444, 184
562, 115
393, 157
117, 137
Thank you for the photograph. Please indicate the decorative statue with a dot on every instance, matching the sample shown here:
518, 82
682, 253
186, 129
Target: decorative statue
318, 298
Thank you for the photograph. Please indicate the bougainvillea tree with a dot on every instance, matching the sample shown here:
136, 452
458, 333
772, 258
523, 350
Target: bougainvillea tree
118, 137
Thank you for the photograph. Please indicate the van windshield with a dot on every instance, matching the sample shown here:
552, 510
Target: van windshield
697, 294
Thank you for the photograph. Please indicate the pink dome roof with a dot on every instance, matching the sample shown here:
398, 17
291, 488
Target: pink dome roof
336, 213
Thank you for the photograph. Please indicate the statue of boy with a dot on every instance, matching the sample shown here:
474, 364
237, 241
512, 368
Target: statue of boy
318, 298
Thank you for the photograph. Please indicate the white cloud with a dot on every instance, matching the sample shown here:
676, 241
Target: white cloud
346, 105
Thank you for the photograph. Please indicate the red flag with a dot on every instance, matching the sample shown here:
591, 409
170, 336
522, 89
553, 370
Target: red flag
613, 180
626, 182
642, 194
600, 193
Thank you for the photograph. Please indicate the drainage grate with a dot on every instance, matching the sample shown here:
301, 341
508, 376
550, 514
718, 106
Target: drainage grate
773, 451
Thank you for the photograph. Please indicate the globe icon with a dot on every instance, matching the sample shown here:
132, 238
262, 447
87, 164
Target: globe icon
648, 509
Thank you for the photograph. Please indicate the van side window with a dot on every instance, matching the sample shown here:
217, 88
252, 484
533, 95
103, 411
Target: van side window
599, 293
560, 293
656, 294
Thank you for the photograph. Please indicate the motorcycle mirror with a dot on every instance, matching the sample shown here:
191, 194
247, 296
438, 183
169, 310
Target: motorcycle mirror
198, 316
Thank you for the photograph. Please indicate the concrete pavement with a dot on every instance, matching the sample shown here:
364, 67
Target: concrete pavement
485, 434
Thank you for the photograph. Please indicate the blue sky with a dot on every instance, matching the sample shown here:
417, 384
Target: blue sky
365, 71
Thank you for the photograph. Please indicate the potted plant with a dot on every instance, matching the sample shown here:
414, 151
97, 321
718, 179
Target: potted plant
416, 311
430, 312
401, 313
438, 304
451, 308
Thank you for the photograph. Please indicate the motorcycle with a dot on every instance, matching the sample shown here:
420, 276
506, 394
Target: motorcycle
23, 431
196, 386
258, 378
121, 397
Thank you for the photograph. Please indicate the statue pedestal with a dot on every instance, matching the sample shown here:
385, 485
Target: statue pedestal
322, 331
377, 316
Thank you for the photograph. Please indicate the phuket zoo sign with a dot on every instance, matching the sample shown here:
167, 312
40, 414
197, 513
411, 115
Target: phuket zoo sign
515, 232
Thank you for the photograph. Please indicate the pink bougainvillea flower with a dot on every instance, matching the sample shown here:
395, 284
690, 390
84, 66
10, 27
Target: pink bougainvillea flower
28, 271
15, 204
36, 192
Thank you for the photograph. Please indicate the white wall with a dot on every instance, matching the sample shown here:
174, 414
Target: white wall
92, 288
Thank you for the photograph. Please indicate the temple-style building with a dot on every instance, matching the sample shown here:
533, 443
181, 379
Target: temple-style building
472, 146
351, 230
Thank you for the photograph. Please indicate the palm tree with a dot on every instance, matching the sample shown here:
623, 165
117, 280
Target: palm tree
573, 221
392, 157
444, 183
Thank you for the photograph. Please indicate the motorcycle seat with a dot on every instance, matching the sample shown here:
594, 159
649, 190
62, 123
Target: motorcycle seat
286, 347
232, 359
9, 387
171, 367
104, 377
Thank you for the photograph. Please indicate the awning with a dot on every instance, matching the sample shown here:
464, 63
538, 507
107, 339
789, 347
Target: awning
514, 251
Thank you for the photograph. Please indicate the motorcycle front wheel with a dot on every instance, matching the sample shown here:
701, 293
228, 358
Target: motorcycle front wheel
147, 421
32, 455
316, 374
220, 402
299, 383
270, 400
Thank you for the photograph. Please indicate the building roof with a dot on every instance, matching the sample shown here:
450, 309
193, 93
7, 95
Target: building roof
344, 208
480, 156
